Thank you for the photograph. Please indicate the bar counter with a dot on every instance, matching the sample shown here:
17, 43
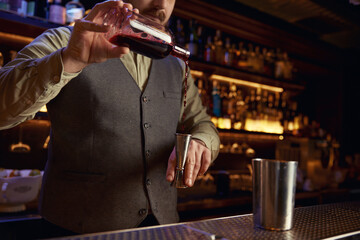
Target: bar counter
327, 221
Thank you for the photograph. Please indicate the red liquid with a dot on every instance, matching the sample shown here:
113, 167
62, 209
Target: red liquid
143, 46
185, 91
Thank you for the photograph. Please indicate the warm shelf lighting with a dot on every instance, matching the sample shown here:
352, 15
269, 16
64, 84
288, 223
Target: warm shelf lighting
8, 37
43, 109
196, 74
245, 83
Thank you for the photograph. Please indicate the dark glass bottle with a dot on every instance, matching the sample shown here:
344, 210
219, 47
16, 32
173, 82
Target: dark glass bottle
142, 35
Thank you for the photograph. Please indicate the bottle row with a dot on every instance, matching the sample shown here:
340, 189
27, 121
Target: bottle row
237, 107
254, 110
211, 45
56, 11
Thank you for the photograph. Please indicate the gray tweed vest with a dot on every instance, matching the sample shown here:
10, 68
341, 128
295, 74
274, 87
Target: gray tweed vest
109, 148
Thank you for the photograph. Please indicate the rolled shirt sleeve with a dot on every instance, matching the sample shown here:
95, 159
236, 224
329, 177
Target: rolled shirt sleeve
33, 78
197, 122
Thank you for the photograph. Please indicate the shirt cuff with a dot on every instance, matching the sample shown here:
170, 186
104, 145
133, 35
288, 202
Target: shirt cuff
51, 69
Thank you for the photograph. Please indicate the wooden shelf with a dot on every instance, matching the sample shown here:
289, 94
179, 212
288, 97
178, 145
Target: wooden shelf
211, 68
25, 26
16, 30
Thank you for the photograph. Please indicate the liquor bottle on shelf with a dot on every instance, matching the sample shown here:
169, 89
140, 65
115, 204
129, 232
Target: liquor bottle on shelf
229, 53
264, 69
278, 110
15, 5
269, 63
224, 122
274, 121
251, 58
74, 10
4, 4
251, 112
57, 12
218, 47
30, 11
271, 108
258, 103
201, 42
202, 93
242, 55
192, 43
265, 123
279, 64
294, 119
41, 9
231, 106
264, 105
288, 67
285, 111
216, 100
259, 61
224, 101
209, 53
240, 114
27, 8
234, 55
180, 34
208, 86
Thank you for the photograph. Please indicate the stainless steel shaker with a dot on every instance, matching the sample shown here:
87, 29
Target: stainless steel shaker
274, 186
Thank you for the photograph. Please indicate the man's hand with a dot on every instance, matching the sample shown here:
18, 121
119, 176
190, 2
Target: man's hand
197, 162
87, 42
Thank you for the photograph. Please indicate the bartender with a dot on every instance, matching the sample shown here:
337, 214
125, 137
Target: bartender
113, 115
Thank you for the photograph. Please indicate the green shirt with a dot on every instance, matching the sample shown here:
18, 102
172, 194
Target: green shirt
37, 75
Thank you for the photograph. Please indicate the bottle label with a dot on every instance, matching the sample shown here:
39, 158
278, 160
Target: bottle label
73, 14
57, 14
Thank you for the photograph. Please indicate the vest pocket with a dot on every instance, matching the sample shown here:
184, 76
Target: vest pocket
83, 176
175, 95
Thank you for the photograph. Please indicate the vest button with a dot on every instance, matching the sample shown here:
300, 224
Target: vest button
147, 153
142, 212
147, 125
146, 99
148, 182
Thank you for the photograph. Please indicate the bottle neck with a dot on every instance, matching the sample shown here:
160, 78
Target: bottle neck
180, 53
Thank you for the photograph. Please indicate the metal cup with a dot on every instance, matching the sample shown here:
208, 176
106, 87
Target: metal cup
182, 142
274, 186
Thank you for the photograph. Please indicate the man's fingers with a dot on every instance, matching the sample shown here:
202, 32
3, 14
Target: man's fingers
91, 26
197, 163
101, 8
170, 172
205, 162
189, 169
195, 170
128, 6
